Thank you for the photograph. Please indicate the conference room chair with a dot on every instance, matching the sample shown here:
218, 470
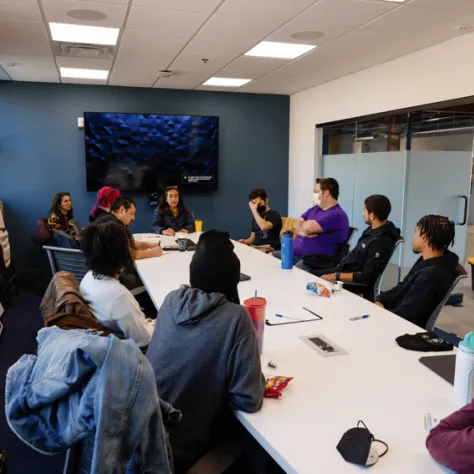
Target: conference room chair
75, 225
68, 260
378, 282
460, 275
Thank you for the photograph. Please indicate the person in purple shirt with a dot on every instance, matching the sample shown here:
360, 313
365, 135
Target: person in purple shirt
323, 228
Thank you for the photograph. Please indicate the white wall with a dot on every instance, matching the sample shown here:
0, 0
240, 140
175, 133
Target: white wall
441, 72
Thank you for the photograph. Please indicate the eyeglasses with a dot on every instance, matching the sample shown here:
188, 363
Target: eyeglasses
169, 188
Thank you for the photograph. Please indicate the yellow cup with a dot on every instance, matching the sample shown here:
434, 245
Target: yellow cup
198, 225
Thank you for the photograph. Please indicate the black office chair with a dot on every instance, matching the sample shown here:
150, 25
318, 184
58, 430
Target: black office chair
460, 275
346, 246
378, 282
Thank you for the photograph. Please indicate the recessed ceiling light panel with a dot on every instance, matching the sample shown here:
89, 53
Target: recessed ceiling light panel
269, 49
84, 34
75, 73
226, 82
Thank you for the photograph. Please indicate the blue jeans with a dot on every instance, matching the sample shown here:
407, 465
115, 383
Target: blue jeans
297, 261
61, 239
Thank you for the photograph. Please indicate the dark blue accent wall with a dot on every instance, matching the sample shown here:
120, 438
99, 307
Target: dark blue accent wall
42, 152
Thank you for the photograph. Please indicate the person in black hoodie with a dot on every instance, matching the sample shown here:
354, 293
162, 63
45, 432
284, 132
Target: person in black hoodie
204, 350
366, 262
417, 296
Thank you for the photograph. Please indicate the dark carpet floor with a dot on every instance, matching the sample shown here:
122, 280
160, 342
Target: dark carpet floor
21, 323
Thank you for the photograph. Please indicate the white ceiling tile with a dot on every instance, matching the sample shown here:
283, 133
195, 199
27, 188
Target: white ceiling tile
24, 37
353, 45
165, 21
181, 81
408, 19
56, 11
150, 44
192, 63
348, 13
227, 26
250, 68
156, 59
18, 11
328, 33
268, 9
116, 2
204, 6
206, 45
452, 5
30, 68
136, 74
84, 63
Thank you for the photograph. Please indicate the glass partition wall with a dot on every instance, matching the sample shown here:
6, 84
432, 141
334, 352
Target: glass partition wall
422, 161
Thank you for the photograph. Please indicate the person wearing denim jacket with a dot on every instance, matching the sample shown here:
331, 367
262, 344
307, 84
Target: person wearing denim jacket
81, 385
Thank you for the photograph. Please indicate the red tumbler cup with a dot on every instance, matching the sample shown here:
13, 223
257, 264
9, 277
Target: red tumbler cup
256, 308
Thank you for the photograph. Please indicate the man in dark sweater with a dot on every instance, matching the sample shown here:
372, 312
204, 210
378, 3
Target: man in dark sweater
417, 296
204, 350
266, 223
370, 256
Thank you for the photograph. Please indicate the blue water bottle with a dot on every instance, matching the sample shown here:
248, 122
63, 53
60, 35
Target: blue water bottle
287, 251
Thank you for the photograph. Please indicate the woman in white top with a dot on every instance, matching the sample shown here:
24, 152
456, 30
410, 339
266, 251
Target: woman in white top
107, 250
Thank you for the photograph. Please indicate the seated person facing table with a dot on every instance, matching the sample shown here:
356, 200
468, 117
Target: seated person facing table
106, 196
204, 351
266, 223
366, 262
420, 292
107, 248
323, 228
171, 215
60, 214
123, 212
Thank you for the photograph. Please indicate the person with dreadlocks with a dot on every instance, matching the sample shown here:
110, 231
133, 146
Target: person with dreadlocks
60, 215
417, 296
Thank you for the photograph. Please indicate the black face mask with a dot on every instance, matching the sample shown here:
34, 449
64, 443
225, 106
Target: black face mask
355, 446
261, 209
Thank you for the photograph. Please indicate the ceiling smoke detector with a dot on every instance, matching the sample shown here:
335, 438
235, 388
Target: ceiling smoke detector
165, 74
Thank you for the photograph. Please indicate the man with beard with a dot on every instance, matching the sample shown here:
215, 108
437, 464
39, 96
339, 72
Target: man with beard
417, 296
266, 223
366, 262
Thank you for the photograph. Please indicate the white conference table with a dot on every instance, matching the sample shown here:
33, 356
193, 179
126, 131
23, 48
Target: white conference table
377, 381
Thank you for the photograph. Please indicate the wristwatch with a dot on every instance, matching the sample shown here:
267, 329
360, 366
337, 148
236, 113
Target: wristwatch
338, 276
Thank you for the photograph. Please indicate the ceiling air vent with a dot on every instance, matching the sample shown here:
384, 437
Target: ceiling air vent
79, 50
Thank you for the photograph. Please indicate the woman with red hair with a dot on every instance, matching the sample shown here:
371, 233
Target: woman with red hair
105, 198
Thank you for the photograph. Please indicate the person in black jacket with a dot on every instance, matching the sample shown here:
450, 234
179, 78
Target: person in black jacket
418, 295
370, 256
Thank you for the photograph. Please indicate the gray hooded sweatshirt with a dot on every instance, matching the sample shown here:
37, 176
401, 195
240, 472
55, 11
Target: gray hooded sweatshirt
205, 357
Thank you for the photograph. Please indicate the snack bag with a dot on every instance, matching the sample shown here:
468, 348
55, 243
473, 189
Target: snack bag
319, 289
274, 386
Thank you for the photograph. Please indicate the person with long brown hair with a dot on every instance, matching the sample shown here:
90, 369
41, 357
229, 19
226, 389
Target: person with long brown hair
171, 215
60, 215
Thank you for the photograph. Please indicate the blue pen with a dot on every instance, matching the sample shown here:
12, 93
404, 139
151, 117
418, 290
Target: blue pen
288, 317
360, 317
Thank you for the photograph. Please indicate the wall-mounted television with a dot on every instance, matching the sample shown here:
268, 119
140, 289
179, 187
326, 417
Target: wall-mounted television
145, 153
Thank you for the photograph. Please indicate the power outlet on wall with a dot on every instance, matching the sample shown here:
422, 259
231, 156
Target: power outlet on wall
80, 122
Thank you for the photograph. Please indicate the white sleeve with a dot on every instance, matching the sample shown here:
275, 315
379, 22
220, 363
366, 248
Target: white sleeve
130, 319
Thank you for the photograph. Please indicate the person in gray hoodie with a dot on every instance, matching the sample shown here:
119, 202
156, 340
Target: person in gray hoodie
204, 350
